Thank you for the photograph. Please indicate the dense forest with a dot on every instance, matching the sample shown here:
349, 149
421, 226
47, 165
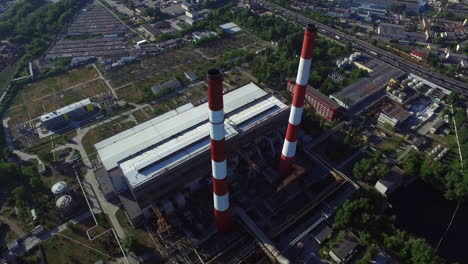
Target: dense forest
363, 215
33, 23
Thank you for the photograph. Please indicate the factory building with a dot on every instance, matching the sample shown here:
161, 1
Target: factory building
411, 5
144, 162
393, 115
393, 31
322, 104
76, 112
358, 94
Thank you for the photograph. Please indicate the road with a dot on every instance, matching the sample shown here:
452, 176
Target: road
387, 57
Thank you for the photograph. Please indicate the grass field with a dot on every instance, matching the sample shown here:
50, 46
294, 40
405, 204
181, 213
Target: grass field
59, 250
141, 236
37, 99
153, 66
143, 114
60, 82
5, 75
216, 47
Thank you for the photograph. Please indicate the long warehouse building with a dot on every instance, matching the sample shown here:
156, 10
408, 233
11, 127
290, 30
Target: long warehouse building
170, 151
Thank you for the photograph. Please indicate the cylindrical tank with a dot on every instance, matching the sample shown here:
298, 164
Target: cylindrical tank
64, 204
59, 188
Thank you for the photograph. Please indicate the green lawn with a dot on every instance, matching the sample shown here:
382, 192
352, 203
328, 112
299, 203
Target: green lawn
60, 250
141, 236
5, 75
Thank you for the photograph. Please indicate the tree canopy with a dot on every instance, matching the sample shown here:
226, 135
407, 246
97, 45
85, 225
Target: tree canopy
362, 214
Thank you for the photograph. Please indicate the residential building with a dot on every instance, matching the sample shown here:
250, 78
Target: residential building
417, 55
186, 6
172, 43
342, 251
191, 14
154, 29
436, 126
191, 76
388, 184
190, 21
230, 28
198, 35
322, 233
171, 85
323, 105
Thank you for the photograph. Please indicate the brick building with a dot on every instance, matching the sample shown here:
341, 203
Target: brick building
323, 105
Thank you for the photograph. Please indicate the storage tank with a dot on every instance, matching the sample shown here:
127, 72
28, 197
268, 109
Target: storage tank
59, 188
65, 204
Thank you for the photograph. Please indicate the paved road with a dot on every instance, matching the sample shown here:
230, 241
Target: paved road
96, 197
368, 48
121, 8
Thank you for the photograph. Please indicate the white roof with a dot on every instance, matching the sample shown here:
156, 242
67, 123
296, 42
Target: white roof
230, 27
59, 187
175, 137
65, 109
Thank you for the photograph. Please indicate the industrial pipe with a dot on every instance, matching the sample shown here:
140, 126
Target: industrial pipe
218, 158
289, 148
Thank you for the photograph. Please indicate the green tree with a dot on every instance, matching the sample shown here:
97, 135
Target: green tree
129, 243
45, 155
412, 163
361, 168
456, 185
9, 173
19, 193
463, 134
382, 170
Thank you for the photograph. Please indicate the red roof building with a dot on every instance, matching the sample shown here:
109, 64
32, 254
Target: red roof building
417, 55
323, 105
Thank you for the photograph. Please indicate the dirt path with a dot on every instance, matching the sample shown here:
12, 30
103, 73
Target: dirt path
13, 226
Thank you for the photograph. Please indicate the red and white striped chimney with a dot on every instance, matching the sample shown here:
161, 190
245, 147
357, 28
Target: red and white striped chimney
218, 158
289, 148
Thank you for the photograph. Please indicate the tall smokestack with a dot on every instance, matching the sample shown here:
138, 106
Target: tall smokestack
218, 158
289, 148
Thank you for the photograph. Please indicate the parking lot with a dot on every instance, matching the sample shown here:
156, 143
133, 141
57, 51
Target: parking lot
99, 47
94, 19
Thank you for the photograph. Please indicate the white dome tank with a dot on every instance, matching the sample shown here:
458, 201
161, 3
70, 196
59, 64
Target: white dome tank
63, 201
59, 188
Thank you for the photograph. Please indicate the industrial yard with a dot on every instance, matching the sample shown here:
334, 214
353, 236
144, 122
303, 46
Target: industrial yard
232, 132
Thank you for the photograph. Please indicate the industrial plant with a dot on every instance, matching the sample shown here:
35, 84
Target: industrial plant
159, 171
78, 113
